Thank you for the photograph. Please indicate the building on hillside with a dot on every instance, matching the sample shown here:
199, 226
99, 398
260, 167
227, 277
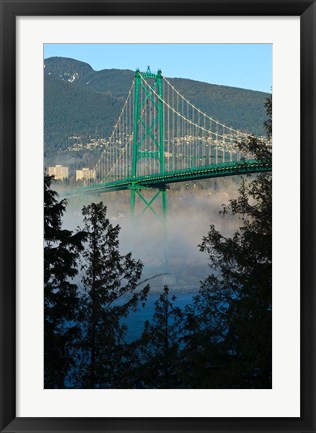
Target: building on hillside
59, 171
85, 174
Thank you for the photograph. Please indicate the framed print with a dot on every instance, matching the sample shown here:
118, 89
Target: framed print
136, 147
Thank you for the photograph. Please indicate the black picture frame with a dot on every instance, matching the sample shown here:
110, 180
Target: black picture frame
9, 10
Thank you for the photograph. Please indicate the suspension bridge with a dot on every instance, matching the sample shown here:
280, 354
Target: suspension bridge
161, 138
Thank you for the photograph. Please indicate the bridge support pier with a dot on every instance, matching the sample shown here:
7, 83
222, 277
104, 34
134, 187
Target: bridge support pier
136, 191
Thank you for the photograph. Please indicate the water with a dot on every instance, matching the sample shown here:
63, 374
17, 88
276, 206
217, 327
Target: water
135, 321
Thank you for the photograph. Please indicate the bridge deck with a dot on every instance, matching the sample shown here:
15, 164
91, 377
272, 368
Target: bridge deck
158, 180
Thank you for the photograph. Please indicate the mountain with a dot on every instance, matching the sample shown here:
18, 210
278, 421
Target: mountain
66, 69
108, 81
81, 105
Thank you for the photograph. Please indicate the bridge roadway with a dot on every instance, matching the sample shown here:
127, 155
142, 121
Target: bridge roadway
160, 181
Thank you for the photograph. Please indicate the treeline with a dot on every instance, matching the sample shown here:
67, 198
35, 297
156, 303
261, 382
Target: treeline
222, 339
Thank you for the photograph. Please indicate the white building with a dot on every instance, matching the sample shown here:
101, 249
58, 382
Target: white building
59, 171
85, 174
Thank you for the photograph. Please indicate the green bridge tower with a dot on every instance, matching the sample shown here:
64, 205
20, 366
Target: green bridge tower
148, 143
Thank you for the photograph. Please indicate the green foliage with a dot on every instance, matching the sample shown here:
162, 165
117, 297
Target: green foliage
159, 346
61, 251
231, 319
110, 282
268, 122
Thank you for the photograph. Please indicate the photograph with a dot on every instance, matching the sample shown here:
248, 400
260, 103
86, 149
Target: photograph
157, 216
157, 239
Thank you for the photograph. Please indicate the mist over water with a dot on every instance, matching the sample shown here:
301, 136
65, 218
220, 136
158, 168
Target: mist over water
191, 209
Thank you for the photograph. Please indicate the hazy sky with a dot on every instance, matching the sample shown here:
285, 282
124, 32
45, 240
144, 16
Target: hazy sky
248, 66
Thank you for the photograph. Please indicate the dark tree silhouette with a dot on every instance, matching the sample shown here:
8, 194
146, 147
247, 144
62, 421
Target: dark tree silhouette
159, 346
229, 326
61, 251
111, 285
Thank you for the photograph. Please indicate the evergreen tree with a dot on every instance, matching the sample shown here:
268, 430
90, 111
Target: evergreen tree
61, 251
204, 355
231, 322
110, 281
159, 346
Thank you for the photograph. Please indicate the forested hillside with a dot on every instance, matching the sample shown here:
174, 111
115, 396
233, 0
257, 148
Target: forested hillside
74, 111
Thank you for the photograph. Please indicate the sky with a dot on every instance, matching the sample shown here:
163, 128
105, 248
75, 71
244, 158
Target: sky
247, 66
